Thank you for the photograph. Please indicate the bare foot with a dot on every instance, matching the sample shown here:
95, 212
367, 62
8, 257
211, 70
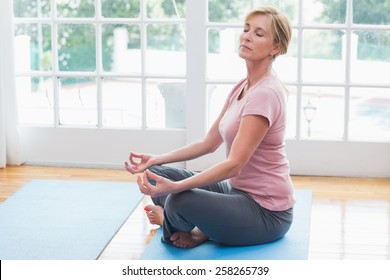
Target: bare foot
188, 239
155, 214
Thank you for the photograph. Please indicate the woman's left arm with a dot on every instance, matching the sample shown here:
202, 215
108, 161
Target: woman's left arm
251, 132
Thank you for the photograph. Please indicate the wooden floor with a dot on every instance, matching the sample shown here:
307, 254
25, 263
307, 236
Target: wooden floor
350, 216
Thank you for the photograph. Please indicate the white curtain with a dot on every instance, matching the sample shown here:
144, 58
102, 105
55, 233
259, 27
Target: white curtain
10, 141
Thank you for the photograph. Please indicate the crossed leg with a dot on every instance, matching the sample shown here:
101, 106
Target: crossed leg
218, 211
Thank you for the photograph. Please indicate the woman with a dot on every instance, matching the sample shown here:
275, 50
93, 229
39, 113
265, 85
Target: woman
247, 199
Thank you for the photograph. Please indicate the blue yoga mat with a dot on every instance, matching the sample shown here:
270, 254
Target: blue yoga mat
293, 246
64, 220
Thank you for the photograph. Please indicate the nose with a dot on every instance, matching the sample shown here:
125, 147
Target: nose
246, 36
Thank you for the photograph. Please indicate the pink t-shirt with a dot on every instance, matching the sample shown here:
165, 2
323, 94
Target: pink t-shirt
266, 176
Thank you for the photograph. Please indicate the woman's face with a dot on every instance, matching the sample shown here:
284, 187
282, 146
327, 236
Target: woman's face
256, 41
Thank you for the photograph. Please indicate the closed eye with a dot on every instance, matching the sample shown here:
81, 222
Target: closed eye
259, 32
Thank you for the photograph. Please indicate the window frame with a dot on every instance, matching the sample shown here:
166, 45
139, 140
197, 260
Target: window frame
98, 20
334, 157
83, 146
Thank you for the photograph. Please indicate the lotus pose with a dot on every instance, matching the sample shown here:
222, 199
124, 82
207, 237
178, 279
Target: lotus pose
247, 199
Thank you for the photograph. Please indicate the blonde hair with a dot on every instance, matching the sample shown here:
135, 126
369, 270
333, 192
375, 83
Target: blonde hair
281, 28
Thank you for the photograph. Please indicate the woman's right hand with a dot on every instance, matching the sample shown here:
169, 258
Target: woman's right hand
139, 162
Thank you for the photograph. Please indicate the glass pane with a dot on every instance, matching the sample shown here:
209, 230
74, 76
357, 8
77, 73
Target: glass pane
78, 101
122, 102
370, 57
76, 8
371, 12
324, 11
32, 8
322, 112
165, 53
76, 47
222, 50
285, 65
121, 48
287, 7
216, 98
166, 8
325, 63
369, 114
120, 8
33, 47
165, 103
35, 100
291, 112
228, 11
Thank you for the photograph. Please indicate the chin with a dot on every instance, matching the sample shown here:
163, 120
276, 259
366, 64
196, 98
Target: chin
245, 57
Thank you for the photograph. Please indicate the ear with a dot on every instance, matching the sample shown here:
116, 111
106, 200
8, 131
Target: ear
275, 50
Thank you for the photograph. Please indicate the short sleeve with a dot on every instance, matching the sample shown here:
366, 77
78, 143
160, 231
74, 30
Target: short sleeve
264, 102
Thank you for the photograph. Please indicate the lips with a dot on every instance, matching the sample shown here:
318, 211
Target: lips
245, 47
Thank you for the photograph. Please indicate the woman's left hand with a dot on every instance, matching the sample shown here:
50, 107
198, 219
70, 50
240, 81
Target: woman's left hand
163, 186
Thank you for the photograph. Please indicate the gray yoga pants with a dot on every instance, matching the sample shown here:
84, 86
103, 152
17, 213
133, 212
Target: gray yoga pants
226, 215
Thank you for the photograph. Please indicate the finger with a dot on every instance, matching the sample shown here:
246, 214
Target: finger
134, 155
152, 175
140, 183
129, 168
146, 180
132, 161
152, 190
141, 186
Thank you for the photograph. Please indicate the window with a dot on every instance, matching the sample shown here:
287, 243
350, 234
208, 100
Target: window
101, 63
335, 70
123, 73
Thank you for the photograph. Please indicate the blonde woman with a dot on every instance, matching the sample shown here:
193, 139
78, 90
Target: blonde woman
247, 199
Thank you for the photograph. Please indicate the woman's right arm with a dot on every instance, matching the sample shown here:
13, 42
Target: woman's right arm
203, 146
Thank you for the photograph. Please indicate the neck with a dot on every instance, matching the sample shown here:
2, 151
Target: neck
255, 73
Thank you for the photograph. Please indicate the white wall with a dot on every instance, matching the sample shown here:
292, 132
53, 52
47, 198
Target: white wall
110, 148
93, 148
